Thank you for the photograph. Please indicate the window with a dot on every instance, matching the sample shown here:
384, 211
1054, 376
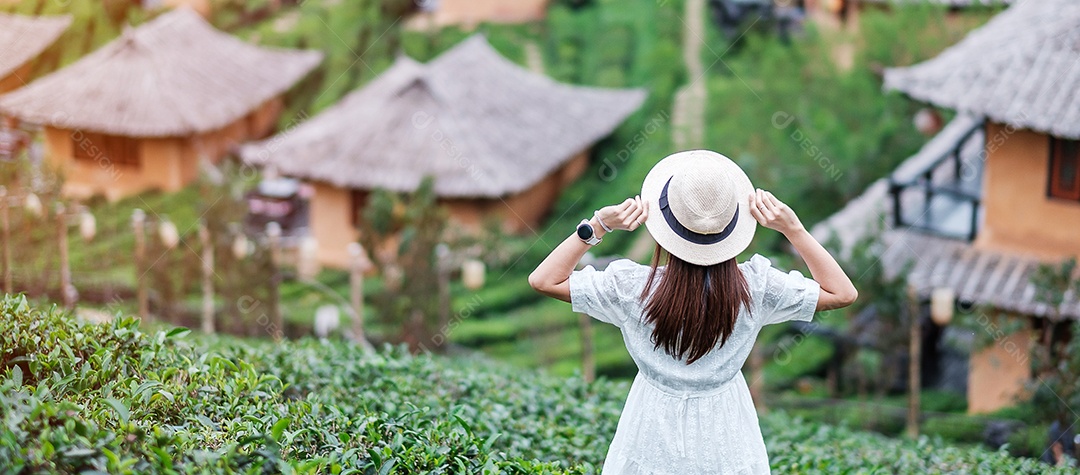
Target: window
105, 150
1064, 169
357, 202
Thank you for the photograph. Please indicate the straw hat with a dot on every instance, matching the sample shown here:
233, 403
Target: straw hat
698, 207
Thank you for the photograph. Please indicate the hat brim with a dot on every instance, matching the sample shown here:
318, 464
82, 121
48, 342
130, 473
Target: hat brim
699, 254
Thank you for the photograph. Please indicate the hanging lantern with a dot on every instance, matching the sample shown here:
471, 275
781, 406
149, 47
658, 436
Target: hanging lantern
927, 121
359, 257
170, 237
942, 304
241, 246
87, 226
273, 229
472, 273
138, 217
33, 205
307, 263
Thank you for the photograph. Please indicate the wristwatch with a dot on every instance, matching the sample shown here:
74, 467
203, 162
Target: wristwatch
586, 233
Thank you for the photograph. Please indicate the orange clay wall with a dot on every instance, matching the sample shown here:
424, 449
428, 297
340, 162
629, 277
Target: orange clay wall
331, 223
18, 78
997, 374
1020, 217
166, 164
472, 12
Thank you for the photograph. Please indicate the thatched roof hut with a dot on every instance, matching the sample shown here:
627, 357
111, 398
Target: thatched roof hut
1019, 69
22, 38
173, 76
483, 126
999, 174
501, 142
144, 110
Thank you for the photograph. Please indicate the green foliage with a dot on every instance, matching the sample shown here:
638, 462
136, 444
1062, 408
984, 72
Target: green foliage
942, 401
404, 232
1053, 282
956, 428
812, 131
798, 447
111, 398
1057, 389
796, 355
93, 24
1029, 441
360, 39
1057, 360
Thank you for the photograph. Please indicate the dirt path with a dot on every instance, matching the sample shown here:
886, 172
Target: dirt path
688, 114
688, 110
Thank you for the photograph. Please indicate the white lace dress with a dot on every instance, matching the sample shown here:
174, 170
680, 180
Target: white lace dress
689, 419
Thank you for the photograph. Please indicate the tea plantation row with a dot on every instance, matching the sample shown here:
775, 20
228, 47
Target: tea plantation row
112, 398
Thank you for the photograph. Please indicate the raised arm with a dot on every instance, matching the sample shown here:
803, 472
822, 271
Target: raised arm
837, 291
552, 276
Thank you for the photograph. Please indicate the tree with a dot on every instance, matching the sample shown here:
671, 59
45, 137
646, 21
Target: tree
403, 231
1057, 360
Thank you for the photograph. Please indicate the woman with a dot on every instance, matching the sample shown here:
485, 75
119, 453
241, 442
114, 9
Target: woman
690, 325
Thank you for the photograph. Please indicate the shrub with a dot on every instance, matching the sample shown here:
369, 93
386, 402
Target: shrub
958, 428
111, 398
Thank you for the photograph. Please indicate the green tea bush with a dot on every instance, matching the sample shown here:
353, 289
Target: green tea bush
79, 398
958, 428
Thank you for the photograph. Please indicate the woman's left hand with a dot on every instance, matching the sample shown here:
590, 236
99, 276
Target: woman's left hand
625, 216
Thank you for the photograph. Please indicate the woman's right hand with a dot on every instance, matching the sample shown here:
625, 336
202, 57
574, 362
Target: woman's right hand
773, 213
625, 216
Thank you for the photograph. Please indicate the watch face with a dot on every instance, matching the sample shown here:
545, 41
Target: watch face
584, 231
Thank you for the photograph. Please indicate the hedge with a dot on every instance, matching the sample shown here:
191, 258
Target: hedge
82, 398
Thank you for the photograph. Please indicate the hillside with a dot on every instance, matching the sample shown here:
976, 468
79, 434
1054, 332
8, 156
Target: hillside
113, 398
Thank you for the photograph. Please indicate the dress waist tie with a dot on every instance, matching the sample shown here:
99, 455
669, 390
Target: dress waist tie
682, 409
680, 427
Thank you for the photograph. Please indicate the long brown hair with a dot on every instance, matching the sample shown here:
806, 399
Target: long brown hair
693, 307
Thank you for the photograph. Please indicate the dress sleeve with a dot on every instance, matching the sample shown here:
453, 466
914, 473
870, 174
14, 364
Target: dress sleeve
606, 295
781, 297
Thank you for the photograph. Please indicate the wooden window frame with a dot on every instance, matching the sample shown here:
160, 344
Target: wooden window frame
1057, 158
358, 199
106, 150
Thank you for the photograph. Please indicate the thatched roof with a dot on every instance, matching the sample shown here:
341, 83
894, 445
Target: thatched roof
23, 37
983, 277
1022, 68
979, 276
173, 76
480, 124
863, 216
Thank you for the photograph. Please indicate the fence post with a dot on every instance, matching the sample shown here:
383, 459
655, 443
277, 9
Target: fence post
757, 378
588, 362
207, 278
5, 221
138, 225
359, 264
914, 360
273, 238
67, 289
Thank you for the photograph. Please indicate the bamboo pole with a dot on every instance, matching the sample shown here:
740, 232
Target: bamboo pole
138, 225
5, 221
67, 289
273, 235
757, 379
914, 360
359, 265
588, 361
207, 278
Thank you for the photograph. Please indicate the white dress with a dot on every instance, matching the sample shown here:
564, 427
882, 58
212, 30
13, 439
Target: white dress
689, 419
